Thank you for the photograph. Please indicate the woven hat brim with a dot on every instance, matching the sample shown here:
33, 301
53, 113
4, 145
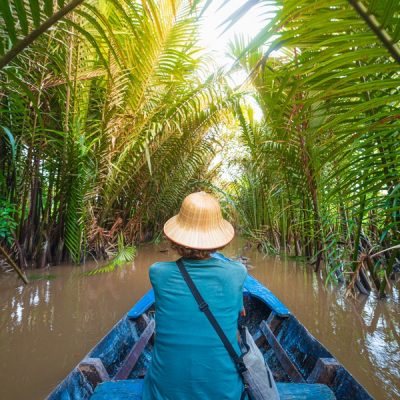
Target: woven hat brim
194, 238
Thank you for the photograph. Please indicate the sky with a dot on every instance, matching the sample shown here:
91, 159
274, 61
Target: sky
215, 41
211, 33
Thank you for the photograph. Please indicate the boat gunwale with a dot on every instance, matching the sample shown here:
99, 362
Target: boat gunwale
290, 319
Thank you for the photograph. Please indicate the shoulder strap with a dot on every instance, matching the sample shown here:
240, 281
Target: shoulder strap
205, 309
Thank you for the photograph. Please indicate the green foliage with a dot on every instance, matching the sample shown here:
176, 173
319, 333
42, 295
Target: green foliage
8, 223
109, 120
326, 155
124, 255
113, 118
11, 141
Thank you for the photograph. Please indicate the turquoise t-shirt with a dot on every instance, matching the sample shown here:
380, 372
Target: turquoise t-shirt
189, 361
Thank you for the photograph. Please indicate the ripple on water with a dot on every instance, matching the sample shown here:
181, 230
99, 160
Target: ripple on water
49, 325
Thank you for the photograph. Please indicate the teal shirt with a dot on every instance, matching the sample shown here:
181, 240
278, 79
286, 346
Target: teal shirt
189, 361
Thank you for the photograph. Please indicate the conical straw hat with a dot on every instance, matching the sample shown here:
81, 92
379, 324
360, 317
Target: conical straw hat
199, 224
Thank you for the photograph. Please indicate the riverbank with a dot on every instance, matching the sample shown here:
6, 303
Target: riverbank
49, 325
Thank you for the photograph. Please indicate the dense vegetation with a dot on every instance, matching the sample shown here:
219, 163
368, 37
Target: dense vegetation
113, 114
321, 179
107, 121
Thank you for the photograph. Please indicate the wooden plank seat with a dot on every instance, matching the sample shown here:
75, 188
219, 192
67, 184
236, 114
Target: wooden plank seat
289, 367
136, 352
132, 390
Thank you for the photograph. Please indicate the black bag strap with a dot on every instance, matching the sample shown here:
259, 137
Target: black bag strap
206, 310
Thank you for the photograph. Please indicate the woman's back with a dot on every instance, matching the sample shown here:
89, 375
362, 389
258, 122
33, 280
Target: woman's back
189, 359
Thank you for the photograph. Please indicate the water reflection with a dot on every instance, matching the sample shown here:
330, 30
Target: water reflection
362, 333
48, 326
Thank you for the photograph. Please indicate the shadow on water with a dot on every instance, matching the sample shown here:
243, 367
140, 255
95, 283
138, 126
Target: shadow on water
48, 326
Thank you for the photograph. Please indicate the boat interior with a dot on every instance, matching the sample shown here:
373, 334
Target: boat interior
301, 366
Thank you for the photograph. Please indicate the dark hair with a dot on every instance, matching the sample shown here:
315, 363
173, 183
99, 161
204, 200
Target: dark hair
194, 254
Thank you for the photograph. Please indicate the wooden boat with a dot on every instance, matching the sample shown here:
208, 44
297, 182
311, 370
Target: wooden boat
303, 368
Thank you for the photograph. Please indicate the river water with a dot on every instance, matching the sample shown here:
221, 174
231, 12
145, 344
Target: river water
47, 327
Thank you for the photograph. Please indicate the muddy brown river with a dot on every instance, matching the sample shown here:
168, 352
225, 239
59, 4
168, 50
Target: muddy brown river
47, 327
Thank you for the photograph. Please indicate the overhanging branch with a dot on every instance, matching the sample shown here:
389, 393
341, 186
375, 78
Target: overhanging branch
29, 39
377, 28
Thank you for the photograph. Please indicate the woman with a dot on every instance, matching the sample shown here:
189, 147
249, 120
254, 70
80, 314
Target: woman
189, 360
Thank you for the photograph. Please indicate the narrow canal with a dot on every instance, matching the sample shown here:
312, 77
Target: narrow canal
49, 325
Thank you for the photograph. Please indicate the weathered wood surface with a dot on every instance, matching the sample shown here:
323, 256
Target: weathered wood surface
93, 370
259, 339
324, 371
142, 305
259, 291
135, 353
73, 387
132, 390
274, 322
303, 349
299, 346
292, 371
304, 391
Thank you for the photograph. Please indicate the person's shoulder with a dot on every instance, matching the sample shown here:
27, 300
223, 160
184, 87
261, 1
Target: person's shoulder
162, 265
160, 268
241, 268
234, 266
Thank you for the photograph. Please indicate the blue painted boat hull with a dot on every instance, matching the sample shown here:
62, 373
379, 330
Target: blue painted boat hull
301, 348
